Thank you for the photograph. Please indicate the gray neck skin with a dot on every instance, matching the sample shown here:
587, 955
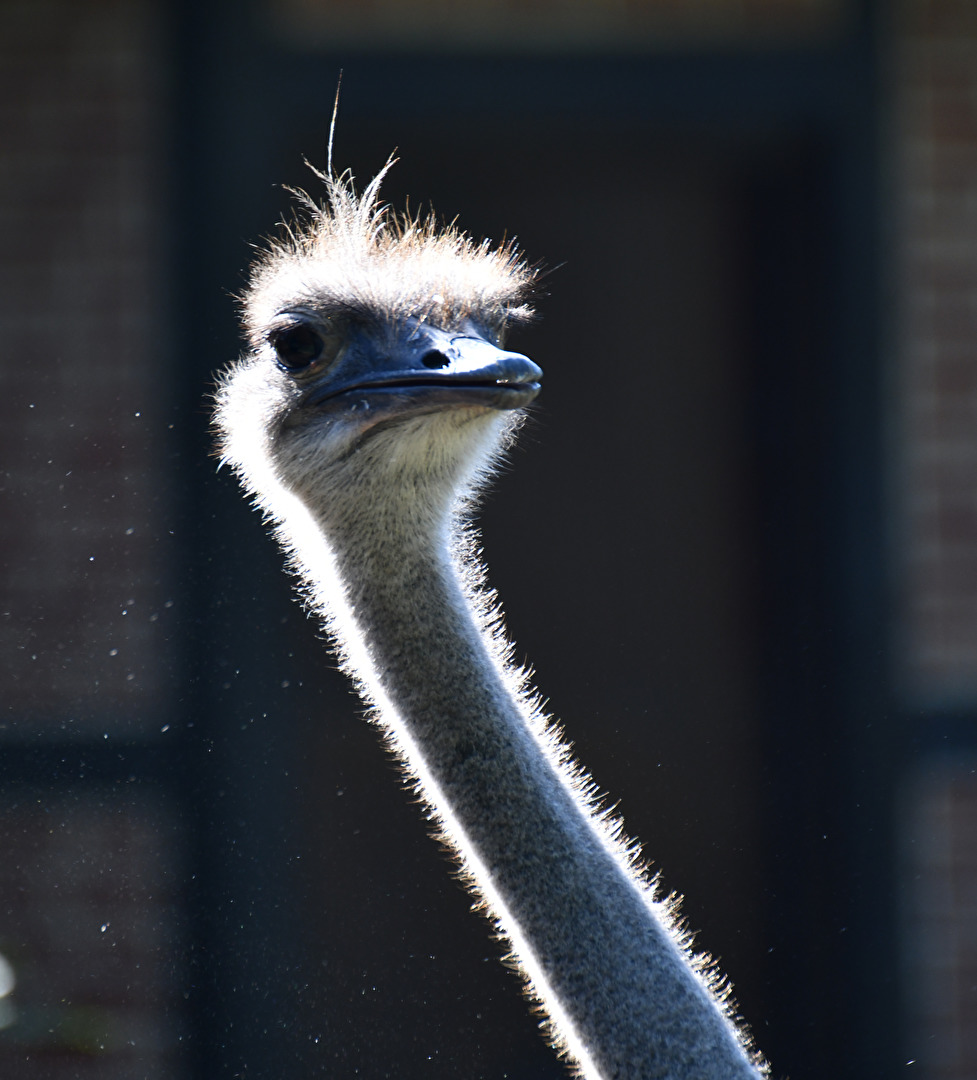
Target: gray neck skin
602, 946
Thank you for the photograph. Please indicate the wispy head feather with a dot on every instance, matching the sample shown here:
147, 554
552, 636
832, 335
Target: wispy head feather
353, 254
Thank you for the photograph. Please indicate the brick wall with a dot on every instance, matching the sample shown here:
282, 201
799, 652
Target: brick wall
934, 90
936, 93
940, 870
79, 510
89, 926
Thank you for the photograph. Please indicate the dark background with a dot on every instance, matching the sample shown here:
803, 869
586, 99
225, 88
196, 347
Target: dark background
683, 542
688, 540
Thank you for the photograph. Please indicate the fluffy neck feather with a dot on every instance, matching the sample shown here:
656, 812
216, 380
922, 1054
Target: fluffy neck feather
375, 529
390, 568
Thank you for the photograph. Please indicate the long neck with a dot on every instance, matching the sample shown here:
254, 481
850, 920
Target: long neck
620, 991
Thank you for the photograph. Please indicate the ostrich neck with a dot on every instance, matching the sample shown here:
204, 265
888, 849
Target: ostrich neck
597, 947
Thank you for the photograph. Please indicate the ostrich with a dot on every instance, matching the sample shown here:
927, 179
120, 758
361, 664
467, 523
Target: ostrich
367, 414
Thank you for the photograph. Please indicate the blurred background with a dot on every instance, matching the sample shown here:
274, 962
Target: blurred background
738, 539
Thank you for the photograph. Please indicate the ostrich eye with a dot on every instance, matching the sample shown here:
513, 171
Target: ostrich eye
297, 347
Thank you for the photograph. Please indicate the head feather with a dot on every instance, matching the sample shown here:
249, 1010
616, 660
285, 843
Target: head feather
352, 254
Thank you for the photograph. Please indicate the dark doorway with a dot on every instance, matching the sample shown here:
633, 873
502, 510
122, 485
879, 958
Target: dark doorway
671, 542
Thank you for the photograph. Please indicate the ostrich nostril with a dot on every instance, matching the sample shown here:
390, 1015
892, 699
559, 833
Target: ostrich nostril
435, 360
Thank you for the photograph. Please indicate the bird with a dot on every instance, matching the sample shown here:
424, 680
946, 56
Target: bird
373, 403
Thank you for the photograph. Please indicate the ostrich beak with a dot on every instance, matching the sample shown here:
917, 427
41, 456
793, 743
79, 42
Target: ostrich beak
422, 364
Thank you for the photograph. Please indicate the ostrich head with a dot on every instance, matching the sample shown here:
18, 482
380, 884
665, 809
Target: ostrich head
376, 358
